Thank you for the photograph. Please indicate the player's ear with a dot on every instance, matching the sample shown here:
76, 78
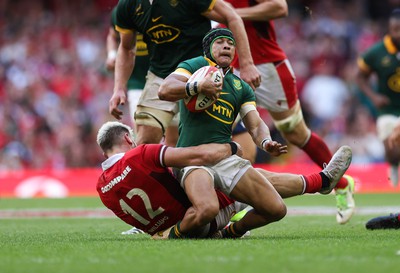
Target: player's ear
128, 139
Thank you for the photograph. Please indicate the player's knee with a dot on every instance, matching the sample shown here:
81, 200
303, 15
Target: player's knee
280, 211
275, 212
207, 212
148, 135
298, 136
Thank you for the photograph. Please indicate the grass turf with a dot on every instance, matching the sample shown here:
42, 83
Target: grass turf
295, 244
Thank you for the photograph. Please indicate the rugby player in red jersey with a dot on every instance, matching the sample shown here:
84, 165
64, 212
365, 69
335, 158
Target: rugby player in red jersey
139, 188
278, 93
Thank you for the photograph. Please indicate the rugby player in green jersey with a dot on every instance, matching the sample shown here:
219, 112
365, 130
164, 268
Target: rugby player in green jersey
383, 60
173, 31
137, 79
234, 176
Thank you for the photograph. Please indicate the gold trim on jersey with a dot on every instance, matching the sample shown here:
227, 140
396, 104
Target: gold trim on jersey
363, 65
183, 72
210, 7
387, 41
123, 30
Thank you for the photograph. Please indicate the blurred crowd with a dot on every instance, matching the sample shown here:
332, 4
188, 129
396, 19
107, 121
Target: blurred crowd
54, 88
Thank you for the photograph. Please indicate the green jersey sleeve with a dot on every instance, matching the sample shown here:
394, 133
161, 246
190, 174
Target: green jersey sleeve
125, 9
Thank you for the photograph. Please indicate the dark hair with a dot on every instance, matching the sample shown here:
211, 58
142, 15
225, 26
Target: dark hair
212, 35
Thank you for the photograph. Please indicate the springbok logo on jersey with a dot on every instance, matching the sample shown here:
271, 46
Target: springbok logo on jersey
394, 81
173, 3
237, 84
385, 61
161, 33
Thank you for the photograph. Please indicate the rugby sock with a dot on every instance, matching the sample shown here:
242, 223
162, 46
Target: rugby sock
313, 182
231, 232
175, 232
319, 152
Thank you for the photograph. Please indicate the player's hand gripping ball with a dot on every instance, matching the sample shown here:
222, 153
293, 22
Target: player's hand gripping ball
200, 102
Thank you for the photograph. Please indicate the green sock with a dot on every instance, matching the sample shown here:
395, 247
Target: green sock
231, 232
175, 232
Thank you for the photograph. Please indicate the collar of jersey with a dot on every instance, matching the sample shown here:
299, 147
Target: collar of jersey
391, 48
211, 63
111, 161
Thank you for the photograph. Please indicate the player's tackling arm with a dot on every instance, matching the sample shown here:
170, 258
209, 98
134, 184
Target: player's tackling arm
206, 154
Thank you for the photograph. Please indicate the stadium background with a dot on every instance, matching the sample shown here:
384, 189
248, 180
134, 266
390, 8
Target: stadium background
54, 89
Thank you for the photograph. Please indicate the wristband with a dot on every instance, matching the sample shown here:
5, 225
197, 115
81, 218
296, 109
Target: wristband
191, 88
265, 140
112, 54
234, 147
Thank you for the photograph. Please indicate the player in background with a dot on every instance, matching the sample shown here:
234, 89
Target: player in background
173, 31
383, 60
137, 185
278, 94
391, 221
234, 176
137, 79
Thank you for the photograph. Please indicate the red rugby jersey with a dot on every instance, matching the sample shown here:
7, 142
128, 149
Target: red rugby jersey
262, 38
141, 191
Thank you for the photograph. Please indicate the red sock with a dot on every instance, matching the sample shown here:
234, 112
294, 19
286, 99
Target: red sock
313, 182
319, 152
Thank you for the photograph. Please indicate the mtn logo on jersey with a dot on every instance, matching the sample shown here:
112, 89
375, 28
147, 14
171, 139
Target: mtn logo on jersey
222, 111
161, 33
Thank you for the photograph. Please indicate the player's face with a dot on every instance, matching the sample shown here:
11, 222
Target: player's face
394, 31
223, 51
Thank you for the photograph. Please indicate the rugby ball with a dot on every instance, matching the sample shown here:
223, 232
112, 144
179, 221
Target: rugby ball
201, 102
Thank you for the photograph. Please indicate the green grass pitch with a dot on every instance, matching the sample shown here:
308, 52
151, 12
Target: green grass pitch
298, 243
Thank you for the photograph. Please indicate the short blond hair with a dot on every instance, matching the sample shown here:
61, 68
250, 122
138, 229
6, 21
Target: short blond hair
110, 134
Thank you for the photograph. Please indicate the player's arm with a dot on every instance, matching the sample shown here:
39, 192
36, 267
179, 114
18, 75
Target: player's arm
124, 64
225, 14
112, 41
363, 80
260, 132
174, 87
265, 10
206, 154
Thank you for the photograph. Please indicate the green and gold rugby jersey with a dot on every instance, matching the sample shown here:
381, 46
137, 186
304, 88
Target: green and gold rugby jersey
213, 125
142, 60
173, 29
383, 58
